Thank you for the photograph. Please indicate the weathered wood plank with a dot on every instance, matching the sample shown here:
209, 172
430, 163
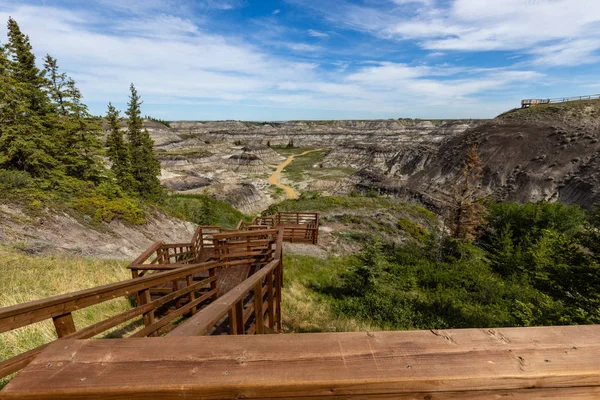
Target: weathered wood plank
472, 363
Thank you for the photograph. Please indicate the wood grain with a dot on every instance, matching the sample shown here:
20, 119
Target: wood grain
519, 363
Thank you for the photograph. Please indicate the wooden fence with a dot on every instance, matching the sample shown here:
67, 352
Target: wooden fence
298, 227
536, 102
156, 319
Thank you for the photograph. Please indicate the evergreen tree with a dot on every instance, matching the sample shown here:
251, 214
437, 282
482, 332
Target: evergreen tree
80, 132
145, 167
57, 83
118, 151
27, 133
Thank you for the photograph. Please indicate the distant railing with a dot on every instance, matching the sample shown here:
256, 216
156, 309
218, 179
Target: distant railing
298, 227
536, 102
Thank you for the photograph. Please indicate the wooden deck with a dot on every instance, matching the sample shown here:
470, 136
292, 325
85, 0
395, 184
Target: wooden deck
298, 227
511, 363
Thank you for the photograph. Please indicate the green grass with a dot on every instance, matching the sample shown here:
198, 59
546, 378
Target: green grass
204, 210
338, 203
308, 166
302, 166
26, 278
304, 308
286, 152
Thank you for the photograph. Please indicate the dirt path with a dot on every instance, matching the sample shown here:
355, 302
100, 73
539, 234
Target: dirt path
290, 193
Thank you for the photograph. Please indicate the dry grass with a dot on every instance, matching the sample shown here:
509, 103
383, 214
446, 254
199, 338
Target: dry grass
25, 278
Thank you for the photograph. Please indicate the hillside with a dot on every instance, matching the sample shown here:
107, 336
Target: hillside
548, 152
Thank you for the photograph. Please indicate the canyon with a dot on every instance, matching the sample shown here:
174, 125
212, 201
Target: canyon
547, 153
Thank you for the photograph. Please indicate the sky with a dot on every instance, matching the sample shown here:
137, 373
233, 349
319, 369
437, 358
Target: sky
274, 60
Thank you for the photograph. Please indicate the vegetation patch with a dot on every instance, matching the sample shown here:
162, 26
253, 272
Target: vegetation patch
204, 210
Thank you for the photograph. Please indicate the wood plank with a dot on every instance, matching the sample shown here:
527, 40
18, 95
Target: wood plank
543, 362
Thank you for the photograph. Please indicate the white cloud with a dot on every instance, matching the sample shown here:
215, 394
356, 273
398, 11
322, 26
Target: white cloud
275, 12
318, 34
550, 30
172, 60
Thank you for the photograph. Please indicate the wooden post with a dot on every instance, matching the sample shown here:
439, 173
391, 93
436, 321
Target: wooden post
270, 300
239, 315
64, 324
233, 329
147, 316
212, 272
190, 282
258, 308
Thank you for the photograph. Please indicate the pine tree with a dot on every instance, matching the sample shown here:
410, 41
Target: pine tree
27, 134
80, 132
145, 167
57, 83
118, 152
467, 213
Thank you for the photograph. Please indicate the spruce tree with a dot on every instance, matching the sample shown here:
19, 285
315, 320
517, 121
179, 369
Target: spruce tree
57, 82
145, 167
118, 152
27, 133
79, 131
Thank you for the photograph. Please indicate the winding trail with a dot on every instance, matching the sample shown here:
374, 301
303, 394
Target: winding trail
290, 193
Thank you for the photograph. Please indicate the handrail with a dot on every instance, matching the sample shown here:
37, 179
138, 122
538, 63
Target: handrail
47, 308
147, 253
205, 319
60, 307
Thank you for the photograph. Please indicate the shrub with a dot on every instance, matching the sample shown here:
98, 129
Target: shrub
11, 179
204, 210
103, 209
416, 231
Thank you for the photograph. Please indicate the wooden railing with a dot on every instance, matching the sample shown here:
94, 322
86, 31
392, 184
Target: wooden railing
256, 302
187, 300
299, 227
535, 102
250, 307
558, 362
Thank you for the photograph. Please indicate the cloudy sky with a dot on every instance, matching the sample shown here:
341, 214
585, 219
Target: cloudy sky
318, 59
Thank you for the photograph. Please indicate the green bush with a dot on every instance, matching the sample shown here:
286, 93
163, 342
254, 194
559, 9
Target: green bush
537, 264
11, 179
413, 229
103, 209
204, 210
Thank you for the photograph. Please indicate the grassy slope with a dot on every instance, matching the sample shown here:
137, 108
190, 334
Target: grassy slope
25, 278
204, 210
303, 308
306, 308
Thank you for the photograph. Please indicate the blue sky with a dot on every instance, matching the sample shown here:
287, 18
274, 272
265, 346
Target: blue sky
318, 59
